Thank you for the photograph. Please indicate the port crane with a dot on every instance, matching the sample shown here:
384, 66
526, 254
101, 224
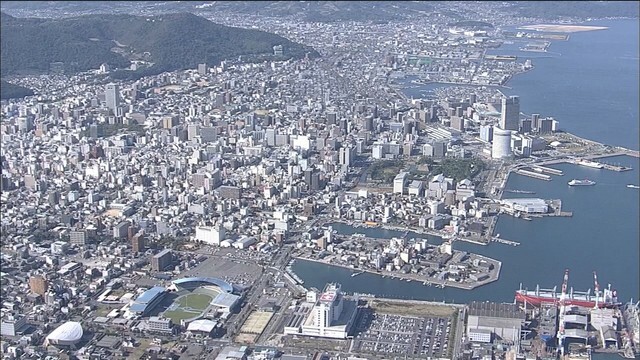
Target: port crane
561, 303
597, 288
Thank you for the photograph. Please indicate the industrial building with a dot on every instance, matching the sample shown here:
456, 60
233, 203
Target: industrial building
526, 205
502, 321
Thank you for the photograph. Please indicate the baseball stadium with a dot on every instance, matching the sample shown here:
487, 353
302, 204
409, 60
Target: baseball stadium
194, 297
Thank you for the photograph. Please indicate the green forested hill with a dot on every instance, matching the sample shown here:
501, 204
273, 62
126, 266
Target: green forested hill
171, 42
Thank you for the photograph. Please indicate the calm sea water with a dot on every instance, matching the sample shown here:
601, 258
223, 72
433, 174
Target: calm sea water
590, 84
601, 236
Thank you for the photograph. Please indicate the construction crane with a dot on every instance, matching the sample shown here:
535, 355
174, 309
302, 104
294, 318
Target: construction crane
597, 287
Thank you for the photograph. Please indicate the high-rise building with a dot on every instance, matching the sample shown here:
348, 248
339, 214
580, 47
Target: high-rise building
457, 122
546, 125
510, 114
486, 133
346, 155
38, 285
332, 316
12, 324
161, 260
202, 69
436, 149
399, 183
501, 147
78, 237
525, 126
137, 243
535, 121
112, 97
210, 235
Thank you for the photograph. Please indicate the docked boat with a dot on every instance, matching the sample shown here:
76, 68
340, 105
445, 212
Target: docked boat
631, 186
585, 182
591, 164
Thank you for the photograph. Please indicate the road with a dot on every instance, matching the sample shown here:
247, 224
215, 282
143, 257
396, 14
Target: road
460, 330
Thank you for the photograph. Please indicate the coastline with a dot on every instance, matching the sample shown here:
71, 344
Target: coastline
562, 28
494, 275
422, 231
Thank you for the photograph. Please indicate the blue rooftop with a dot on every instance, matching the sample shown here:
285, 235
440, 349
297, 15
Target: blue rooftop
150, 294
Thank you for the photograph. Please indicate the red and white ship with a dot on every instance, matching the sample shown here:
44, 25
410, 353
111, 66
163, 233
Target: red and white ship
607, 299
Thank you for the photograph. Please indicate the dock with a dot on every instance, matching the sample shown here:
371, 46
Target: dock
534, 175
548, 170
615, 167
556, 206
506, 242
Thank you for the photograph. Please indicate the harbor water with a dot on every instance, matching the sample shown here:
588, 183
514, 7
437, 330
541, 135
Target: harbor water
590, 83
603, 234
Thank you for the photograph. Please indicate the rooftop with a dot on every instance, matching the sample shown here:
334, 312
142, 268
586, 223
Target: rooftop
499, 310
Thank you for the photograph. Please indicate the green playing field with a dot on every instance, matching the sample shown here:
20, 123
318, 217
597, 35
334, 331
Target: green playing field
188, 306
195, 301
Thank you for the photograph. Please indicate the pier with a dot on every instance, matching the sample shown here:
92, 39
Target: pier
506, 242
534, 175
548, 170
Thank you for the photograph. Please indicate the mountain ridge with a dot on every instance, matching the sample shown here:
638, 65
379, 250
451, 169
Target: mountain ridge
174, 42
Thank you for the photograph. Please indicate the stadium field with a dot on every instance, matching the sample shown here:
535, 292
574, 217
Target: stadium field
187, 307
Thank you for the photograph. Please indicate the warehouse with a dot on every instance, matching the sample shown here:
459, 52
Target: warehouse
528, 205
504, 321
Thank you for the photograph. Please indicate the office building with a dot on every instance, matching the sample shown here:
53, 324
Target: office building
11, 325
525, 126
510, 114
210, 235
78, 237
546, 126
112, 97
436, 149
399, 182
501, 147
137, 243
161, 260
202, 69
486, 133
121, 230
332, 316
159, 325
535, 121
346, 155
457, 122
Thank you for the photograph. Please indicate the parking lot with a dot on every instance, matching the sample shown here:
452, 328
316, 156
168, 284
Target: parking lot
231, 269
417, 337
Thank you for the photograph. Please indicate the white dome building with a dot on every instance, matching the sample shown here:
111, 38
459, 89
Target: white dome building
66, 334
501, 147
